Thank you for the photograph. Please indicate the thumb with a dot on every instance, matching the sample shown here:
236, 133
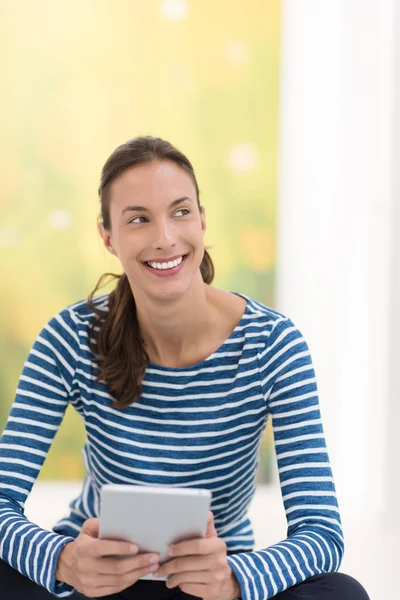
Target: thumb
91, 527
211, 531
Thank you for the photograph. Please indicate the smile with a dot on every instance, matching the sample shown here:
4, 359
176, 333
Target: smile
166, 265
166, 268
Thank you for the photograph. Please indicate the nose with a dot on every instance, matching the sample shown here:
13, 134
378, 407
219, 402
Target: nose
165, 234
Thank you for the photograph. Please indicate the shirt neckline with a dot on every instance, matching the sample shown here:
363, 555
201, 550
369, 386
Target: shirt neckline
206, 360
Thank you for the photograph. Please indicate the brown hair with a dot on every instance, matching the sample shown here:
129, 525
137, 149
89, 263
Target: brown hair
114, 336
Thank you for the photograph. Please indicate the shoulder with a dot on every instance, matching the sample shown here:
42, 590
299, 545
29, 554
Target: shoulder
269, 329
279, 341
262, 316
74, 318
82, 312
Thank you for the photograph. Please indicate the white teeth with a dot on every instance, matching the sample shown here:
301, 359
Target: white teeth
169, 265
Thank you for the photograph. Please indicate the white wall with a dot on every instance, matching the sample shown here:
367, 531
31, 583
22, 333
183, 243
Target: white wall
392, 467
335, 218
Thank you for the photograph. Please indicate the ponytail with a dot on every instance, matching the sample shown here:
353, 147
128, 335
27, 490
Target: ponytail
114, 338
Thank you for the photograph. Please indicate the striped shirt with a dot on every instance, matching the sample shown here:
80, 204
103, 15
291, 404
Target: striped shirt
196, 426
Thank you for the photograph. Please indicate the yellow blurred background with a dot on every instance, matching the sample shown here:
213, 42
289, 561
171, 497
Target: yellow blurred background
80, 78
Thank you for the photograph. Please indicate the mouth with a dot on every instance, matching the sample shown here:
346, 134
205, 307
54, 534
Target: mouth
166, 269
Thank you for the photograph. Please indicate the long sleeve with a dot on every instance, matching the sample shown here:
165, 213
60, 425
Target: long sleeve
42, 396
314, 542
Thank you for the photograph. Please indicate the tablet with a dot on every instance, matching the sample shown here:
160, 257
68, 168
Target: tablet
153, 516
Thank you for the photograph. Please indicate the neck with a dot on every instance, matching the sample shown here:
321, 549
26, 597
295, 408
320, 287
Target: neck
172, 330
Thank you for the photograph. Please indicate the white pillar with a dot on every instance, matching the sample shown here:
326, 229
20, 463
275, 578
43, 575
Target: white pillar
334, 217
392, 466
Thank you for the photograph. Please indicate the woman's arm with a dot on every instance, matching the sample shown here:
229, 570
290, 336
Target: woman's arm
40, 403
315, 537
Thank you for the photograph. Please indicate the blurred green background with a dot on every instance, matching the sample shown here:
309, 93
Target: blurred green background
80, 78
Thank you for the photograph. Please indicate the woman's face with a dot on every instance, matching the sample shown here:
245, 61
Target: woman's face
155, 218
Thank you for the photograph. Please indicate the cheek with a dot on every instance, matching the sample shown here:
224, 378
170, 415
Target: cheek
128, 243
195, 231
124, 250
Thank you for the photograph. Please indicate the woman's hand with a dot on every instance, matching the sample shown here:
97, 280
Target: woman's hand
90, 566
200, 567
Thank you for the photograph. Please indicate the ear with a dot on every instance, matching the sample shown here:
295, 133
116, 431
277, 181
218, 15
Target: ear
203, 219
106, 236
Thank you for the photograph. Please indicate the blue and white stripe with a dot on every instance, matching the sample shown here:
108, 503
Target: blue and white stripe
197, 426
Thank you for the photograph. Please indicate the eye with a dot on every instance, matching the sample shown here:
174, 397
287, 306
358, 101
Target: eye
135, 218
185, 209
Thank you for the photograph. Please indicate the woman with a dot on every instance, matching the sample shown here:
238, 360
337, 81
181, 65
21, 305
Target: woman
175, 380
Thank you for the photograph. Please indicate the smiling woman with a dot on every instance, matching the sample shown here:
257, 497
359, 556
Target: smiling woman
175, 381
161, 237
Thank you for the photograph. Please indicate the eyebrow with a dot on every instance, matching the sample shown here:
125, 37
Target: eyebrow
144, 209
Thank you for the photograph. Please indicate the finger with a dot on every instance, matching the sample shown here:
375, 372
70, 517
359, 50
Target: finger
91, 527
182, 546
211, 531
209, 545
184, 564
113, 584
113, 548
123, 566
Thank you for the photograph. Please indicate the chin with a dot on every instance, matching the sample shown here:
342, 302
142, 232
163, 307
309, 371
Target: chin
171, 293
165, 291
